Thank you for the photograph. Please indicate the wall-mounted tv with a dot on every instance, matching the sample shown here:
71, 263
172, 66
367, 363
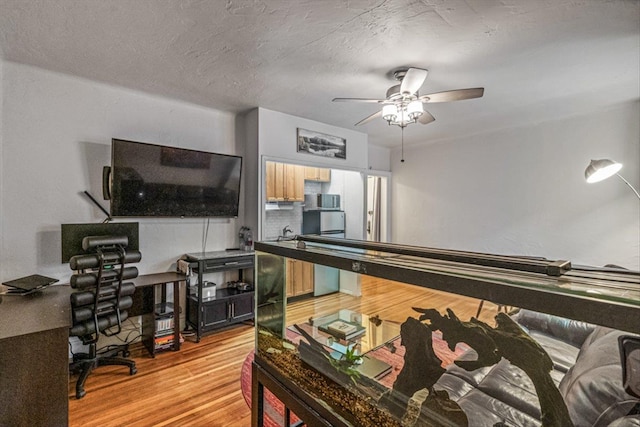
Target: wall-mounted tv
150, 180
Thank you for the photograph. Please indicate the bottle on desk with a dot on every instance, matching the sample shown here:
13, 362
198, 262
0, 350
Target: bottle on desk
248, 240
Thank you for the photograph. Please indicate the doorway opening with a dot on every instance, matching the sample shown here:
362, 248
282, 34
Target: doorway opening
377, 225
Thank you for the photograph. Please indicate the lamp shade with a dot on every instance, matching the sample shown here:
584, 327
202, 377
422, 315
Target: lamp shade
414, 109
389, 112
599, 170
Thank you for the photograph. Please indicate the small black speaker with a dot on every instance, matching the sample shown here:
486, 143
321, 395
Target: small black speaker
106, 187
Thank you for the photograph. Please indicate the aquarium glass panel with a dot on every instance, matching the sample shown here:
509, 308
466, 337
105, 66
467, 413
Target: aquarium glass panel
405, 340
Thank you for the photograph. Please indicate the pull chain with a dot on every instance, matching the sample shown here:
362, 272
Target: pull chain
402, 149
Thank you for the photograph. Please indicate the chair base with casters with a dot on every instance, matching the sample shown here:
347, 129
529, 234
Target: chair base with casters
100, 303
84, 363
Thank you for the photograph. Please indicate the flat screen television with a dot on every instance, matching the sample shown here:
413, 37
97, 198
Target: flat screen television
150, 180
72, 235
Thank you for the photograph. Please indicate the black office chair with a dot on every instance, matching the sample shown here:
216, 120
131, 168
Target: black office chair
100, 302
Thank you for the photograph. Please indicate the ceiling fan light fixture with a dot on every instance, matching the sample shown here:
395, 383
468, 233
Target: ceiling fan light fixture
403, 117
403, 105
414, 110
390, 113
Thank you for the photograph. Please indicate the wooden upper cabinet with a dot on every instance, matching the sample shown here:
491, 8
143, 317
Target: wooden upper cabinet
310, 173
271, 181
284, 182
280, 180
295, 185
317, 174
324, 174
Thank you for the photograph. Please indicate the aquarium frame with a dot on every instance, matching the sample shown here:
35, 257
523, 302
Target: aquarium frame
313, 414
506, 285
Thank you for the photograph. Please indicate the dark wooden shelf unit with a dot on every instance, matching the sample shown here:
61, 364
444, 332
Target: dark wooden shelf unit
144, 305
229, 306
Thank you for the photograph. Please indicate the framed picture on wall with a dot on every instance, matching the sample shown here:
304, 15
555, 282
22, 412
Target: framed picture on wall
321, 144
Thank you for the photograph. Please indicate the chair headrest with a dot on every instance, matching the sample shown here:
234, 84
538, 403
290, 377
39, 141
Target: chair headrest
92, 242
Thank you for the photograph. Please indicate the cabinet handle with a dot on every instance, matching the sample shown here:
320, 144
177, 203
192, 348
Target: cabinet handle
232, 263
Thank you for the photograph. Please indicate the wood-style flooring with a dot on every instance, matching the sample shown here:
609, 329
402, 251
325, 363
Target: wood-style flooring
200, 384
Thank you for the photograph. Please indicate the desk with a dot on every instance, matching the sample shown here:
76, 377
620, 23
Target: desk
34, 358
34, 349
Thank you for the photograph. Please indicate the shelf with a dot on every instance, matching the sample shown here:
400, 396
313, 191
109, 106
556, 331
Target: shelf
228, 305
164, 309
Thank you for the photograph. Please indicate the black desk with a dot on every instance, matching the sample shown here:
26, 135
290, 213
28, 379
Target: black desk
34, 358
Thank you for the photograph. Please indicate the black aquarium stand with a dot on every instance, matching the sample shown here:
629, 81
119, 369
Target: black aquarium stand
226, 306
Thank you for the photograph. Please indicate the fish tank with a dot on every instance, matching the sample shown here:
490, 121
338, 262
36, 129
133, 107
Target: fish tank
432, 337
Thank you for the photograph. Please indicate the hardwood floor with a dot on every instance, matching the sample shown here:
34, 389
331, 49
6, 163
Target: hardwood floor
200, 384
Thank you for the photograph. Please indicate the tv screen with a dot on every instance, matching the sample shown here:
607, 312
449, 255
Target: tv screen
72, 235
155, 180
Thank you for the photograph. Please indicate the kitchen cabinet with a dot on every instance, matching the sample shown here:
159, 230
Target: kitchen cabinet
300, 278
317, 174
285, 182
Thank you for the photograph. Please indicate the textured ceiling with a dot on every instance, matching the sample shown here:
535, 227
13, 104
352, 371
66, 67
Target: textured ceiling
536, 59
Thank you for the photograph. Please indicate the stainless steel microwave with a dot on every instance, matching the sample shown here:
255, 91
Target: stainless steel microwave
322, 201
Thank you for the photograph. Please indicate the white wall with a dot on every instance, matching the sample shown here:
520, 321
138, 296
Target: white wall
56, 136
277, 133
278, 139
247, 134
379, 158
522, 191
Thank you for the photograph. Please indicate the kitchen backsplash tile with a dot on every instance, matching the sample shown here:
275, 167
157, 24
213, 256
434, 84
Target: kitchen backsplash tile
276, 220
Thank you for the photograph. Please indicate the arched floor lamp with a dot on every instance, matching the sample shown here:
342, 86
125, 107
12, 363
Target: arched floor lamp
602, 169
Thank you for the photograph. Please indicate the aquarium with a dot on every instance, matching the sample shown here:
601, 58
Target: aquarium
423, 336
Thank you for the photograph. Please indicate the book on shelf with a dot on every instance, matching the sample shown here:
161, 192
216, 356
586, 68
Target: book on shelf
164, 346
342, 329
163, 324
165, 341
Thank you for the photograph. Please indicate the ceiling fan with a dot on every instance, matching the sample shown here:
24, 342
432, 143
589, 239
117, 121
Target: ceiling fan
404, 105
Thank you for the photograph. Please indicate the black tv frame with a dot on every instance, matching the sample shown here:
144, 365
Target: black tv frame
176, 157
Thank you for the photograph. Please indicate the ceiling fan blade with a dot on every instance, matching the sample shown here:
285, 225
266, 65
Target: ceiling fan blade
453, 95
376, 101
426, 118
412, 81
369, 118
